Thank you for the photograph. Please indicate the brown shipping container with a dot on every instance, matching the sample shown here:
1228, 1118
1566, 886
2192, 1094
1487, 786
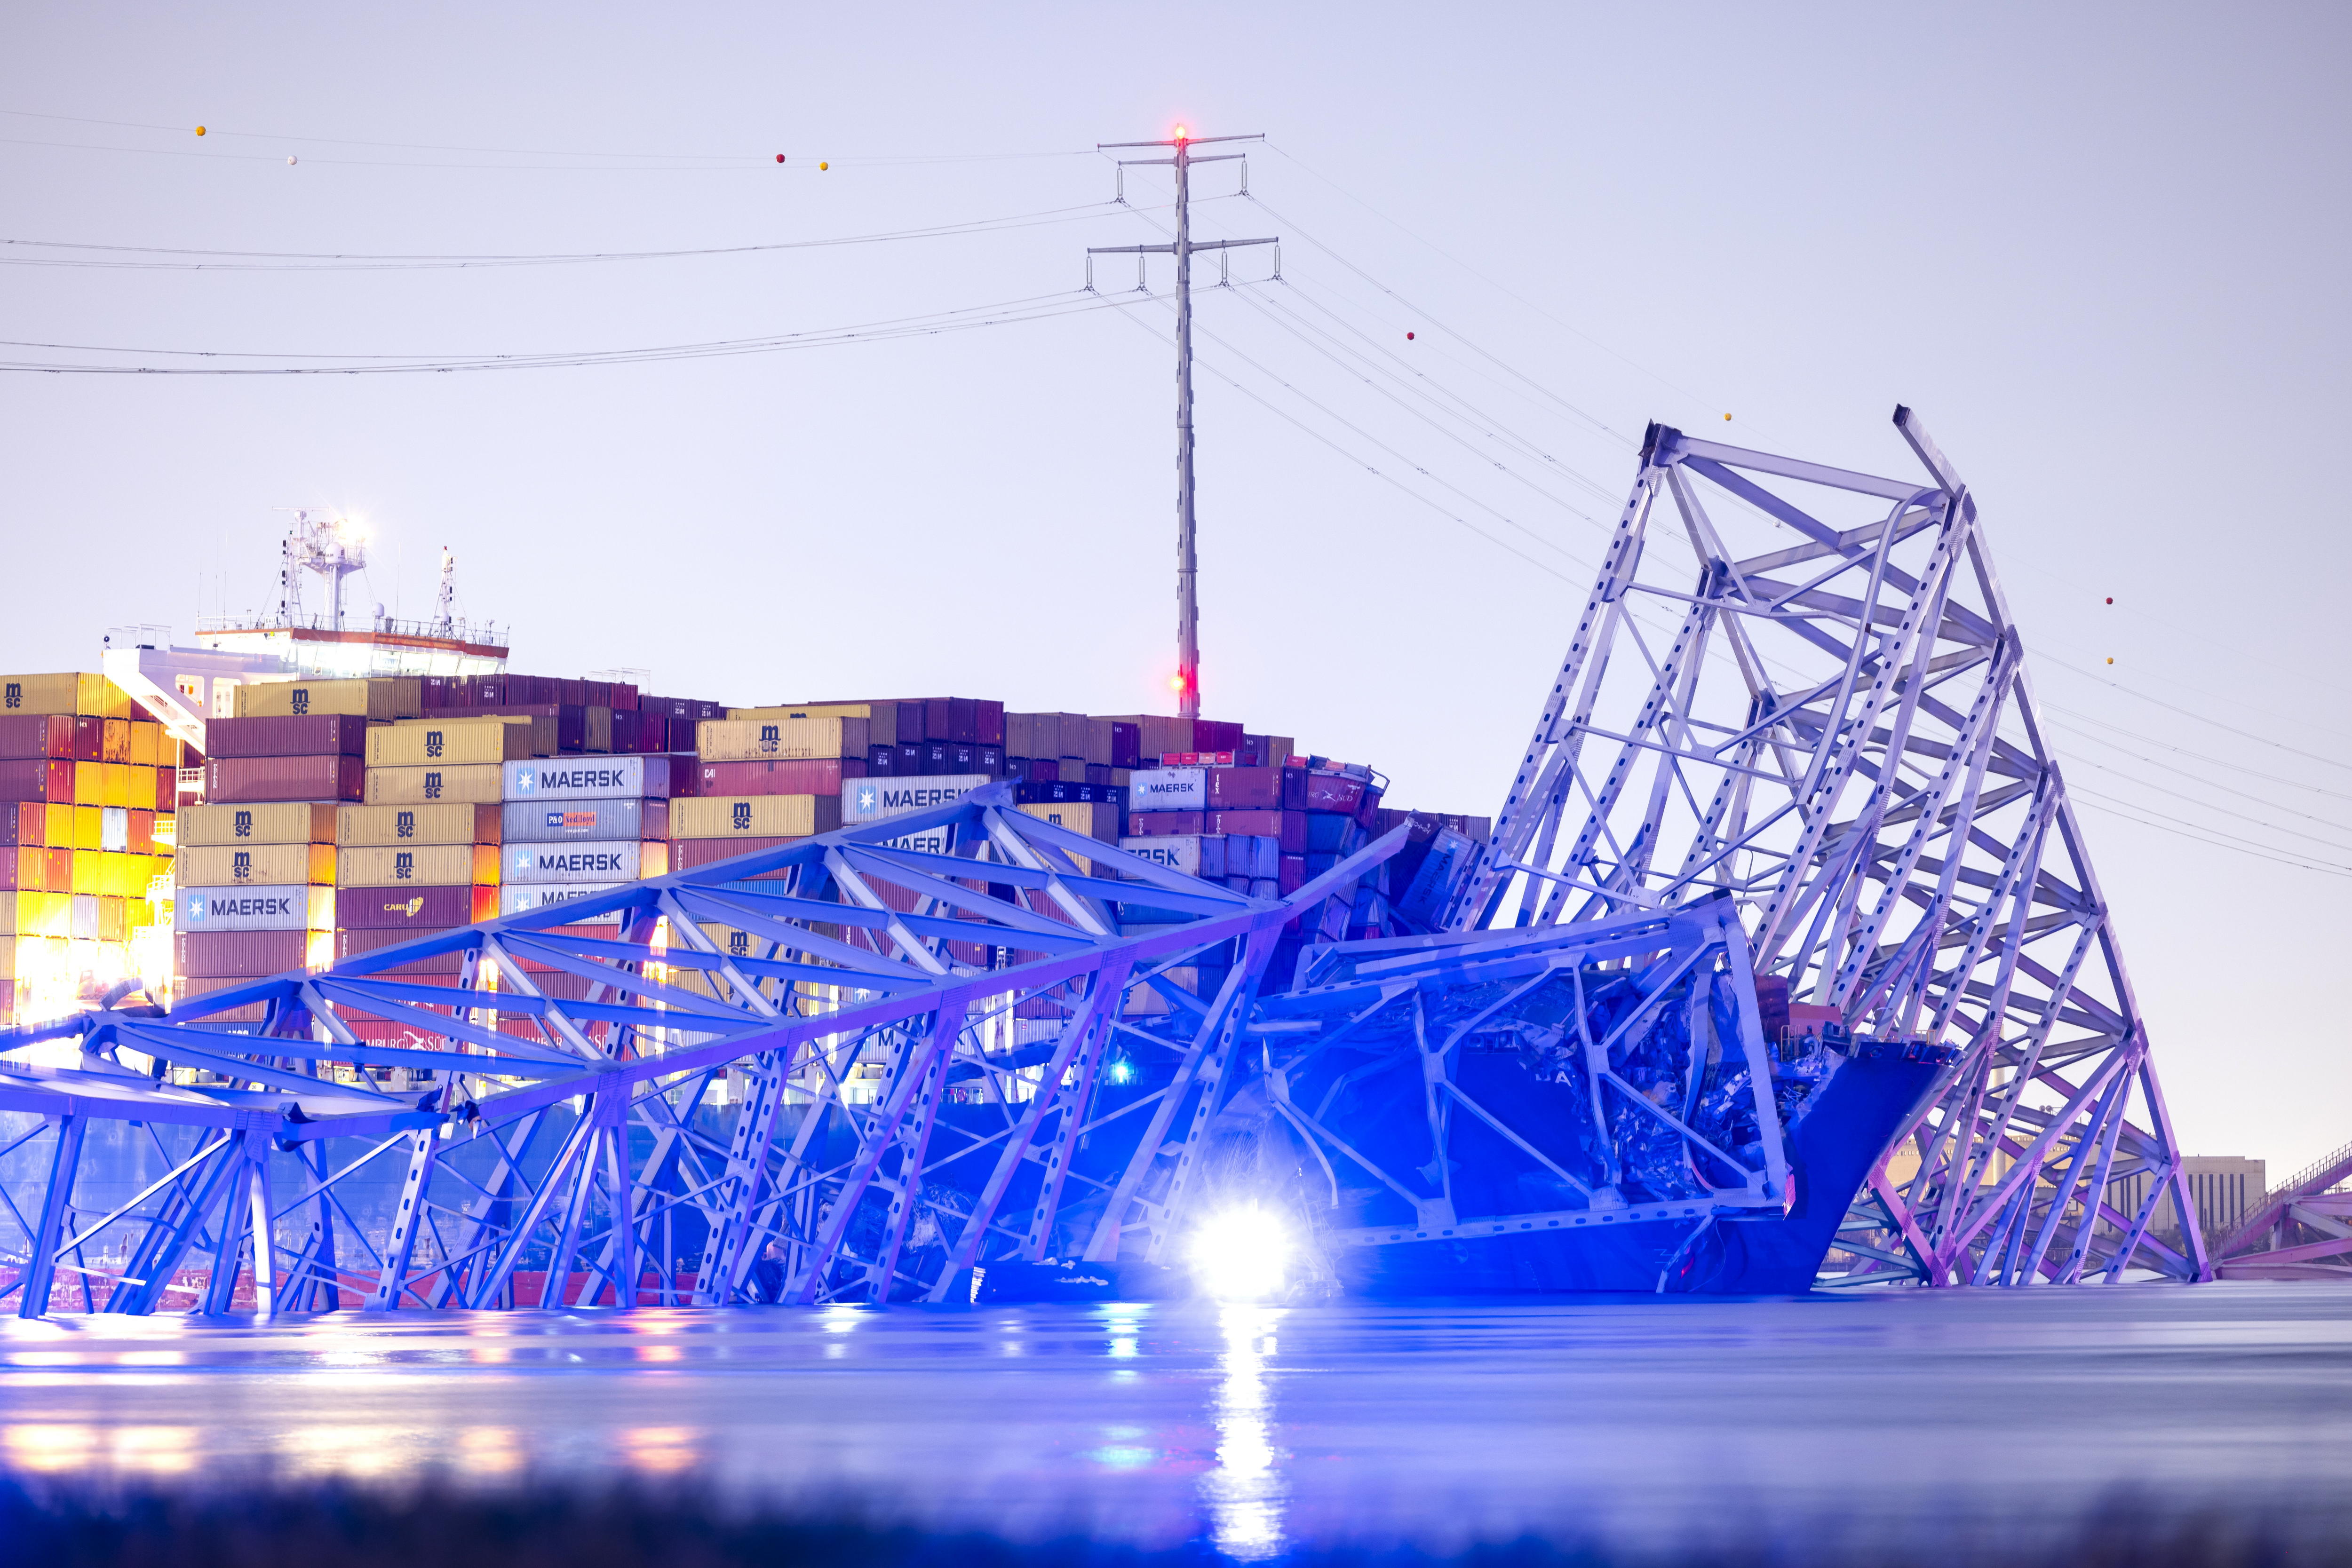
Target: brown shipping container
757, 740
754, 816
1097, 821
262, 866
404, 909
448, 742
242, 778
263, 822
1290, 827
479, 783
383, 699
809, 776
444, 822
688, 853
554, 729
214, 955
353, 943
1158, 824
37, 779
317, 734
1244, 788
25, 735
422, 865
595, 729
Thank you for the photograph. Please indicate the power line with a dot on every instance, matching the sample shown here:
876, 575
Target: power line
2186, 829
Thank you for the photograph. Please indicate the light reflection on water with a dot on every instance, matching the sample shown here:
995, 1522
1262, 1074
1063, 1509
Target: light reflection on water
1255, 1429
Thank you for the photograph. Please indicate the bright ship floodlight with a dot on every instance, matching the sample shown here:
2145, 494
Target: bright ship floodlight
1242, 1254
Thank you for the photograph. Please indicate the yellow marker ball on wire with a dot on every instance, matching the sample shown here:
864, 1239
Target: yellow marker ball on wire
1726, 419
2110, 661
200, 131
822, 166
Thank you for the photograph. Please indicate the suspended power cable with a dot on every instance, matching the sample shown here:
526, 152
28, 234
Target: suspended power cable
2183, 829
2140, 782
2205, 756
2201, 718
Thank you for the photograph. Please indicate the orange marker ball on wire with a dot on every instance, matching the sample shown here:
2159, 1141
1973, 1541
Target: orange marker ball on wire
200, 131
2110, 661
821, 167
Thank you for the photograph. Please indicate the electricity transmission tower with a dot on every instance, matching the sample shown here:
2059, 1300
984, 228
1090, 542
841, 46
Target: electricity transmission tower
1187, 608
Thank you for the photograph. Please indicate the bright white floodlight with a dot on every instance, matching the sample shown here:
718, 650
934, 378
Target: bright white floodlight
1240, 1254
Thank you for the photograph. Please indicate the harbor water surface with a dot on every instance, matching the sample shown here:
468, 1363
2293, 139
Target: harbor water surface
1925, 1417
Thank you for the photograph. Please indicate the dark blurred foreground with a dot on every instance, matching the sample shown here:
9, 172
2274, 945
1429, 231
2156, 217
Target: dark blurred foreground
335, 1526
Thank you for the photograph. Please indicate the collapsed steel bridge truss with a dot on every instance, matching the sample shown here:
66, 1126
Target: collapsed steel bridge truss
912, 1048
1802, 686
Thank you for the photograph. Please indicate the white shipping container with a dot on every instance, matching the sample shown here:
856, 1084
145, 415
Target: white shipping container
256, 909
607, 862
567, 822
876, 799
1194, 854
525, 900
1167, 790
937, 840
1253, 855
588, 778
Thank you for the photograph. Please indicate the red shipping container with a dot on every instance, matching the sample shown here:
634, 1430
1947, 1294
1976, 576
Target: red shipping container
23, 822
1244, 788
60, 872
1293, 875
686, 854
1307, 788
803, 776
411, 908
624, 697
37, 779
310, 734
29, 735
89, 738
167, 789
1290, 827
1166, 825
988, 724
1040, 770
235, 779
1126, 744
433, 691
353, 943
244, 955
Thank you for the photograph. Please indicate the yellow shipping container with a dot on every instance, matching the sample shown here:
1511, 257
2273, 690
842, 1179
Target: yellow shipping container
476, 783
263, 865
443, 822
89, 782
89, 828
264, 823
1095, 819
114, 782
146, 743
36, 914
418, 742
32, 957
426, 865
881, 718
92, 696
379, 700
754, 816
757, 740
166, 834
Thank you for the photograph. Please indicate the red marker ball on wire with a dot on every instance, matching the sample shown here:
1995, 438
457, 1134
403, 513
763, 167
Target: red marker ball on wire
1408, 336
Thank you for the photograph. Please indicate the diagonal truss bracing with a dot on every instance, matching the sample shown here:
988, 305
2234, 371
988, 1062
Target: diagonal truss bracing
1802, 687
841, 1070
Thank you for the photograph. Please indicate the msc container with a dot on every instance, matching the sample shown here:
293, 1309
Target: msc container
585, 778
805, 776
318, 734
444, 823
1167, 790
263, 822
240, 779
289, 908
558, 821
37, 779
383, 699
1093, 818
262, 866
424, 865
872, 800
612, 861
881, 718
30, 734
754, 816
754, 740
218, 954
527, 900
477, 783
421, 909
417, 743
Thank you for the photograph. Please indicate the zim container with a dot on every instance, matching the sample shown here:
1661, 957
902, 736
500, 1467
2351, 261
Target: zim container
754, 816
476, 783
247, 779
419, 909
556, 822
442, 822
612, 861
423, 865
263, 822
290, 908
582, 778
261, 865
318, 734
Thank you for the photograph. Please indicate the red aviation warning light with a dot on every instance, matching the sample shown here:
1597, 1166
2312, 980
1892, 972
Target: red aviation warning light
1182, 134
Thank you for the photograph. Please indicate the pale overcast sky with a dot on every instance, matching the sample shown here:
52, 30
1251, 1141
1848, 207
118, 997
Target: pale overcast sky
2102, 250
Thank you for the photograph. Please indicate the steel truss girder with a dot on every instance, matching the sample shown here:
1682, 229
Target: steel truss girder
550, 1109
1841, 735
